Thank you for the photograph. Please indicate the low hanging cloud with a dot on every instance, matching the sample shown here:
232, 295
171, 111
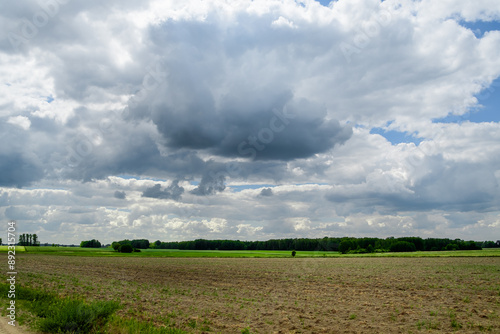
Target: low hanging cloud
210, 184
173, 191
266, 192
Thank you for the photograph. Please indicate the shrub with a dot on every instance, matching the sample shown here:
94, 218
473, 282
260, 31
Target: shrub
403, 246
293, 253
75, 316
116, 245
125, 249
137, 250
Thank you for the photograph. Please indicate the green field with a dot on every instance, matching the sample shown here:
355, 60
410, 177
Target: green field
18, 248
78, 251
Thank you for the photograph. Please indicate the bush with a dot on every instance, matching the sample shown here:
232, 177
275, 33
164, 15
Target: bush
136, 250
75, 316
125, 249
116, 245
293, 253
403, 246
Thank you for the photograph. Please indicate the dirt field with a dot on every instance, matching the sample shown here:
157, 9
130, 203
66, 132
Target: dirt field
334, 295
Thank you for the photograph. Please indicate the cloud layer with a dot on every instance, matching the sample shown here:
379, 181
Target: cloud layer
247, 119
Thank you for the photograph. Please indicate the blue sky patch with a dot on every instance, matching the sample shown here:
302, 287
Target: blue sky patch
250, 186
479, 28
324, 2
396, 137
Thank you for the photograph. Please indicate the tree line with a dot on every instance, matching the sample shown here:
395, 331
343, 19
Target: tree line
28, 240
344, 245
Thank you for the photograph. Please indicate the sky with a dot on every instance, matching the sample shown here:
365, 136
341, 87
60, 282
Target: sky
250, 120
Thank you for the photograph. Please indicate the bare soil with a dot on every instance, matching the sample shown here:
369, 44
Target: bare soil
5, 328
290, 295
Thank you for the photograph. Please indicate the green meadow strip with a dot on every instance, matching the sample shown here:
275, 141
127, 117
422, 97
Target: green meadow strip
109, 252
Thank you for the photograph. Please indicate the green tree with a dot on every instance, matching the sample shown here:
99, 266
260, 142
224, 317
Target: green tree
293, 253
126, 248
403, 246
346, 245
91, 244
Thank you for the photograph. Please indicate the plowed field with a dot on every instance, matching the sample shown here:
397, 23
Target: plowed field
287, 295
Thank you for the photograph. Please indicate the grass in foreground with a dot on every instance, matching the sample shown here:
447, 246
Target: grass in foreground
50, 314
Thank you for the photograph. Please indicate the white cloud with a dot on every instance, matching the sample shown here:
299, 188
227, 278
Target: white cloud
21, 121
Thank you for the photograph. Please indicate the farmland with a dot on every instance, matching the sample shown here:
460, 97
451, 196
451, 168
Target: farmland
321, 293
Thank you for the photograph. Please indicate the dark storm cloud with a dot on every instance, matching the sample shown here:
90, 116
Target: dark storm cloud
173, 191
206, 101
269, 126
120, 194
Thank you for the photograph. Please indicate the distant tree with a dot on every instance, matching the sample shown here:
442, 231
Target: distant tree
126, 248
91, 244
498, 243
403, 246
0, 241
346, 245
35, 240
115, 245
451, 247
293, 253
140, 243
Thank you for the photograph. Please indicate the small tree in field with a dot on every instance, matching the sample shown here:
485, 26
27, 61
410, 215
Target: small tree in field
293, 253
